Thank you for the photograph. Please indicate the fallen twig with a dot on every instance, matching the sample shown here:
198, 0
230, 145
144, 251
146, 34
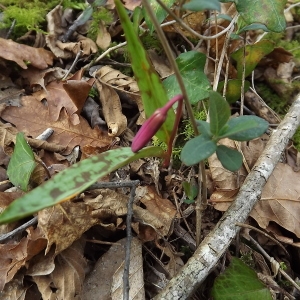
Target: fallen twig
215, 244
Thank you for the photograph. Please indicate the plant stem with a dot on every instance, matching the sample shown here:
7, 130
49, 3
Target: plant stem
172, 61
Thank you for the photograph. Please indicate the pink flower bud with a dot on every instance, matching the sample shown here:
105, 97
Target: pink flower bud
152, 125
148, 129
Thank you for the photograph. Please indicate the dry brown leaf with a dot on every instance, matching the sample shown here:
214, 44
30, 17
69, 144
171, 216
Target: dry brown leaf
33, 118
14, 256
280, 200
136, 276
112, 109
63, 224
40, 78
23, 54
70, 95
66, 281
160, 64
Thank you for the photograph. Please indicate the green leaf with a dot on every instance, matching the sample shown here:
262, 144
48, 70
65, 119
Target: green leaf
72, 181
21, 164
159, 12
267, 12
150, 86
219, 112
191, 66
230, 159
244, 128
233, 89
239, 282
254, 54
197, 149
198, 5
255, 26
204, 128
191, 190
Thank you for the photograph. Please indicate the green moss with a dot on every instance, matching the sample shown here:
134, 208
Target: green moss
278, 104
99, 14
151, 42
29, 14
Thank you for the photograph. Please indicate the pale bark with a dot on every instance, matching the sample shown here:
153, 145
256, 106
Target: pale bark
215, 244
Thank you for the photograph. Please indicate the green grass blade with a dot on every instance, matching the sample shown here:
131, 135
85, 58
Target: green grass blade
151, 88
72, 181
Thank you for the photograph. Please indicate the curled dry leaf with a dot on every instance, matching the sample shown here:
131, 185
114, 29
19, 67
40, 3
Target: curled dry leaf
122, 83
24, 55
112, 109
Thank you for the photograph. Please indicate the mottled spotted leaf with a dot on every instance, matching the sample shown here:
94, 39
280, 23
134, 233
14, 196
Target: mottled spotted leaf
151, 89
72, 181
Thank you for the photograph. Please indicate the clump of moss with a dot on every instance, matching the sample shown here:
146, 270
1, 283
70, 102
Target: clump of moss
100, 14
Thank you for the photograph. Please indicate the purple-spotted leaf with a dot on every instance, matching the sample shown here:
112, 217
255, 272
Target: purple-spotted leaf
72, 181
150, 86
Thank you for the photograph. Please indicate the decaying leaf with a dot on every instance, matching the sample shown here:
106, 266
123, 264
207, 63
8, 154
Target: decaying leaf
33, 118
24, 55
65, 223
103, 37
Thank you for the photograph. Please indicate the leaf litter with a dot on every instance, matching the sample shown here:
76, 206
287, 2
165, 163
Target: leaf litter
62, 257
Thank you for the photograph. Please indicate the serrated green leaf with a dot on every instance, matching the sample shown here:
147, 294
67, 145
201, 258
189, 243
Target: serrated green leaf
21, 164
72, 181
239, 282
191, 66
244, 128
219, 112
254, 54
197, 149
233, 89
152, 91
204, 128
199, 5
230, 159
267, 12
159, 12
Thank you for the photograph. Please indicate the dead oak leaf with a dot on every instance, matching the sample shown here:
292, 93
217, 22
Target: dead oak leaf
22, 54
70, 95
280, 200
33, 118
